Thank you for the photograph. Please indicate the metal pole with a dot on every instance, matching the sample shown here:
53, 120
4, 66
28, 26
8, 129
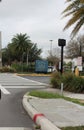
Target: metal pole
61, 89
0, 93
51, 47
61, 59
80, 49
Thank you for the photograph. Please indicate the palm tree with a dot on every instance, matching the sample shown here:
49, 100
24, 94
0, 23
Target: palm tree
75, 9
21, 49
21, 43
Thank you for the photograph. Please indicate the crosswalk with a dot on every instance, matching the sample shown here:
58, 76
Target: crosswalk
5, 91
14, 81
14, 128
11, 111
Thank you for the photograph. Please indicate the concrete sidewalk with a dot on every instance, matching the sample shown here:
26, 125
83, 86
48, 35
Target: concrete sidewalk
60, 112
65, 93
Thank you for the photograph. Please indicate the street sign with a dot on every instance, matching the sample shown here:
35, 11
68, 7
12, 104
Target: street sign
79, 61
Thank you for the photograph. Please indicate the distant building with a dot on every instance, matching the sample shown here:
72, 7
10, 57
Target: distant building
67, 60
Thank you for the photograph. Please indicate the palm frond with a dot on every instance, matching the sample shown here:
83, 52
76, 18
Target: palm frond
76, 11
74, 19
77, 27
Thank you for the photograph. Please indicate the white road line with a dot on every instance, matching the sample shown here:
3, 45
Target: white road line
5, 91
33, 81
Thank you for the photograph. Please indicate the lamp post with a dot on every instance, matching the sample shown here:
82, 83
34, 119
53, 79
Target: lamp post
61, 43
51, 47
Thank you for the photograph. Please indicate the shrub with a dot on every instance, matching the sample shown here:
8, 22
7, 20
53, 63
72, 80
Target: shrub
56, 79
23, 67
71, 82
67, 80
7, 69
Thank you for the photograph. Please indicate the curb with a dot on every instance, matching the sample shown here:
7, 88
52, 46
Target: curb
34, 74
37, 117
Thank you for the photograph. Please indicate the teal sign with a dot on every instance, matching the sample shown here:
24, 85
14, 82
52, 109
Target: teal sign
41, 66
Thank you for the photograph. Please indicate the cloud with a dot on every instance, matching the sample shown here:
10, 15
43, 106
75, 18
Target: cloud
40, 19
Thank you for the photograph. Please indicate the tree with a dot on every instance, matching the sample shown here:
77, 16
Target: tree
75, 9
20, 44
75, 47
34, 53
19, 48
54, 57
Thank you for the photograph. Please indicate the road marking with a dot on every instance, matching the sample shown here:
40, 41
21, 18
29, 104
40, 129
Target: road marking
37, 82
14, 128
5, 91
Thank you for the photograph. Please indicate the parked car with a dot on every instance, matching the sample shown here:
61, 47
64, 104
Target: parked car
51, 69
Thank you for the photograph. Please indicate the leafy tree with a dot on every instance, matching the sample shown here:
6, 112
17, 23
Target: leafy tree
4, 56
75, 47
54, 57
75, 9
34, 53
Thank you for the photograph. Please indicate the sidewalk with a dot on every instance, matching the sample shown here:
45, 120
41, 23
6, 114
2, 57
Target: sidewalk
60, 112
67, 94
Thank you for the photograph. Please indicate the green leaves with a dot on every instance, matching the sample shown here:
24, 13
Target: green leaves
75, 9
20, 48
71, 82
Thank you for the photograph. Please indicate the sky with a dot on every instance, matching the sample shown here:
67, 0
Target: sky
40, 19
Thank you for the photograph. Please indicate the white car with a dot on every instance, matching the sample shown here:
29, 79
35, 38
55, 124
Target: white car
51, 69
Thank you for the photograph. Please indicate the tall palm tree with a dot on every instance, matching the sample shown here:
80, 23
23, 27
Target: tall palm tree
75, 9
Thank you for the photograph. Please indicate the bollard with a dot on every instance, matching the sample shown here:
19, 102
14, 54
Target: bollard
61, 89
0, 93
77, 71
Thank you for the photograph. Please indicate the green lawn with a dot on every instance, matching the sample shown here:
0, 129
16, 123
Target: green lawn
73, 128
43, 94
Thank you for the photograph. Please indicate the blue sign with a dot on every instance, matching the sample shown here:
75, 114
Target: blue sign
41, 66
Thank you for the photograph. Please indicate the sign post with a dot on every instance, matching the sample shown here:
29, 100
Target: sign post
61, 43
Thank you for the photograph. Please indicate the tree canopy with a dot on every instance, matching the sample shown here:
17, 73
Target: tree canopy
75, 47
20, 47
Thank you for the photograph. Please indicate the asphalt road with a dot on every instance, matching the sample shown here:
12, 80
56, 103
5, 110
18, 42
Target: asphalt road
13, 88
42, 79
12, 113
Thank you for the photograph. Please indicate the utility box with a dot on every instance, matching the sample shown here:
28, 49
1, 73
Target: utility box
41, 66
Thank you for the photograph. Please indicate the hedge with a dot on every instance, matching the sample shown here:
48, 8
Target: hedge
71, 82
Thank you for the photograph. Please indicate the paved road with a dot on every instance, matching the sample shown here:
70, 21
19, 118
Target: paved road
13, 88
42, 79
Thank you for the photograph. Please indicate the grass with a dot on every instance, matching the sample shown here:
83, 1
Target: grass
73, 128
43, 94
46, 95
